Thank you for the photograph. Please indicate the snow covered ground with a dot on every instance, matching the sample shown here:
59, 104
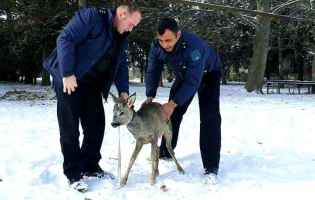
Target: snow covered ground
268, 150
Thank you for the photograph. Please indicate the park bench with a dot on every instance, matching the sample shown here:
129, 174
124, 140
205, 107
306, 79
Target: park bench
290, 83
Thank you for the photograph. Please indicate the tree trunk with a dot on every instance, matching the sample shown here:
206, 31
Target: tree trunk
146, 51
161, 81
142, 74
45, 77
34, 80
133, 71
313, 68
45, 74
255, 78
313, 73
300, 60
281, 76
223, 76
280, 57
28, 77
217, 45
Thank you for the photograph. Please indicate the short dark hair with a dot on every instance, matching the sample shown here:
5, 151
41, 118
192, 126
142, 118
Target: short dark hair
131, 7
167, 23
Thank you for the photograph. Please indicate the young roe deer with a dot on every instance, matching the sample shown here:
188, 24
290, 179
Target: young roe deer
146, 125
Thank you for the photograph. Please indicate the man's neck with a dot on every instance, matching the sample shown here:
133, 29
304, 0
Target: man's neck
115, 19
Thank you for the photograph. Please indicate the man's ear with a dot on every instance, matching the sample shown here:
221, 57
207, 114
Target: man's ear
122, 14
131, 100
179, 33
115, 99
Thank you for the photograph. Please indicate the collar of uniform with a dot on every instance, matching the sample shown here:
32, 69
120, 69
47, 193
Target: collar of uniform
178, 45
111, 17
109, 13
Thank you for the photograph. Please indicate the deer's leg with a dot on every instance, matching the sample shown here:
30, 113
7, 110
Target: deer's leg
157, 173
154, 149
132, 160
168, 138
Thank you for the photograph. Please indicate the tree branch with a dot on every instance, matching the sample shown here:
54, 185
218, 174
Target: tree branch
193, 10
241, 17
285, 5
233, 9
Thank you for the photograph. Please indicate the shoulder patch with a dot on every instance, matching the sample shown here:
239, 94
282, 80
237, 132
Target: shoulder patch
102, 11
195, 55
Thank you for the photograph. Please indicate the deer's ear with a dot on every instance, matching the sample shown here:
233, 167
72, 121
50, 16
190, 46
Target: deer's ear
131, 100
115, 99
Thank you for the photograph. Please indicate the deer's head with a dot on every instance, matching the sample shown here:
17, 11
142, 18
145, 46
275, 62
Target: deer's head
123, 111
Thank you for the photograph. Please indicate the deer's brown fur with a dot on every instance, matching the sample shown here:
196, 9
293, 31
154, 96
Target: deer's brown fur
146, 125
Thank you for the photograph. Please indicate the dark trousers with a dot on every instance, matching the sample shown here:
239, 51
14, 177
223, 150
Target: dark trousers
84, 105
210, 120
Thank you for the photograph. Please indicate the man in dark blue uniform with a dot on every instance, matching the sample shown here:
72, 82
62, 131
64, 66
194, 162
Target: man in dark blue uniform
197, 69
89, 56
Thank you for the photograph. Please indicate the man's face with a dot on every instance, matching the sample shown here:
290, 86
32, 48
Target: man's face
168, 39
125, 21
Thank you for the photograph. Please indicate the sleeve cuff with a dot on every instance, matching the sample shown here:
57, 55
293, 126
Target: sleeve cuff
151, 95
175, 101
67, 74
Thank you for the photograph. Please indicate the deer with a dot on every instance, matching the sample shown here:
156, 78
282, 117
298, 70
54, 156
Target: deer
147, 125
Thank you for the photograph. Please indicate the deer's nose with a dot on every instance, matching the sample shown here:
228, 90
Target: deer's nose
115, 124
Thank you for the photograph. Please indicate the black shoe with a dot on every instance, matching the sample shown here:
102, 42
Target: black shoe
166, 159
78, 183
211, 176
164, 155
211, 171
210, 179
97, 172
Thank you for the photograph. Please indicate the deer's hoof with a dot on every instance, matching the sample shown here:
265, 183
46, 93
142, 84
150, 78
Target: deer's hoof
119, 187
181, 171
152, 182
123, 182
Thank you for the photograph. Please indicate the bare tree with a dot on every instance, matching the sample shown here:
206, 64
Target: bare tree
45, 74
261, 23
262, 26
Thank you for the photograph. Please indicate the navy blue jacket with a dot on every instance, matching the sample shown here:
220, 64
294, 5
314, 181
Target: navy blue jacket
82, 43
190, 59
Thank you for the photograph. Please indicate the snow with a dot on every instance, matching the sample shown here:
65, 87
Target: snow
267, 150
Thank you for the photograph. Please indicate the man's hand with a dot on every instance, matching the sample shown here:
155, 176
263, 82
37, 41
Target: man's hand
69, 84
148, 100
169, 108
123, 97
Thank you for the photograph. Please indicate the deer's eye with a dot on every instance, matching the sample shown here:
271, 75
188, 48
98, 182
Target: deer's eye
121, 113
